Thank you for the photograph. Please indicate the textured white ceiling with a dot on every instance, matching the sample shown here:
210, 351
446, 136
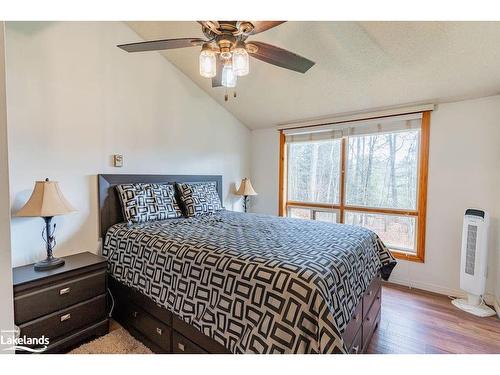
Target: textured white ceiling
359, 66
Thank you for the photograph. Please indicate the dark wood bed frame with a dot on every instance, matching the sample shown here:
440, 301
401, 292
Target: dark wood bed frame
164, 332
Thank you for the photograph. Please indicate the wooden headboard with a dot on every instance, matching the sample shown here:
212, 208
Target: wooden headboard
110, 211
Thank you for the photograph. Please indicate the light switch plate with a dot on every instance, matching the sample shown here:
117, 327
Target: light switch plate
118, 160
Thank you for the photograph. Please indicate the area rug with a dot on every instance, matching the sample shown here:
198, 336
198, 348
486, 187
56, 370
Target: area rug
118, 341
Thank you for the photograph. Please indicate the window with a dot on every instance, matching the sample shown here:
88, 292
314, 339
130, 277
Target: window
371, 173
314, 172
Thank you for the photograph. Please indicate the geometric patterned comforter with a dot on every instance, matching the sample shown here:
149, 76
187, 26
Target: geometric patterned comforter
254, 283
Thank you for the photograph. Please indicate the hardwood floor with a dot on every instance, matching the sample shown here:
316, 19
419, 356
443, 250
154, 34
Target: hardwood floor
415, 321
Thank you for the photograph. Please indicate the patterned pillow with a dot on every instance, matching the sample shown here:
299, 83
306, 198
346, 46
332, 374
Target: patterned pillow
148, 202
200, 198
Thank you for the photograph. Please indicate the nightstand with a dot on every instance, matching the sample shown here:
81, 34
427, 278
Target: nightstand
66, 304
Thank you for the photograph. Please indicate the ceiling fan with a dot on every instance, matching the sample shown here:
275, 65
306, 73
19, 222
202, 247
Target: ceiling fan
224, 52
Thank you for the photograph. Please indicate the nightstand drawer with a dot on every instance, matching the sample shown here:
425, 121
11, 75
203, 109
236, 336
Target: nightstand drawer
65, 321
31, 305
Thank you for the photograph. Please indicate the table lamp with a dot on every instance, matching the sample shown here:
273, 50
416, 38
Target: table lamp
246, 189
47, 201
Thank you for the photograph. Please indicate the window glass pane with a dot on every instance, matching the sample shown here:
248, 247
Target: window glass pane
397, 232
299, 213
382, 170
314, 171
330, 217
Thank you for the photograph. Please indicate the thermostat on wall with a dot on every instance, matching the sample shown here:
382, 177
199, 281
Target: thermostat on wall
118, 160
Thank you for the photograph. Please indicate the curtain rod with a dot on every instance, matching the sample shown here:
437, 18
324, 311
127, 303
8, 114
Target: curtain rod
357, 117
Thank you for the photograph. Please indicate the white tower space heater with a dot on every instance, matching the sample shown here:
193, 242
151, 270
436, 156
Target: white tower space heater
473, 264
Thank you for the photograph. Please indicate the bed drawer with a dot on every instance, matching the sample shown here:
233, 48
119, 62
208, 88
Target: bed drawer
356, 346
123, 295
354, 325
31, 305
372, 318
370, 294
196, 337
155, 330
182, 345
65, 321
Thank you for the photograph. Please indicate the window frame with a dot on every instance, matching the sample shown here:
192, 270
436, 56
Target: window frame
420, 212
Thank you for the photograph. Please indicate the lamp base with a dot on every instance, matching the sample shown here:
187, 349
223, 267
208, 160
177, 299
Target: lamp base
48, 264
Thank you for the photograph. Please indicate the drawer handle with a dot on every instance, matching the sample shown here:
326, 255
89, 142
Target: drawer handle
180, 346
64, 291
367, 318
134, 314
159, 331
65, 317
355, 349
370, 292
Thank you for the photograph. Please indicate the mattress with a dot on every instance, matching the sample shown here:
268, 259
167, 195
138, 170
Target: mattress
254, 283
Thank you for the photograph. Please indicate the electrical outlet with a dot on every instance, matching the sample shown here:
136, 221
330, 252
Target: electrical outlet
118, 160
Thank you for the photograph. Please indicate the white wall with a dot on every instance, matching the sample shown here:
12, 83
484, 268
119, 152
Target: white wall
264, 169
464, 171
464, 165
6, 304
74, 99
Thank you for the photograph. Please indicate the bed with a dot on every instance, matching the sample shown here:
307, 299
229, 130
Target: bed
241, 283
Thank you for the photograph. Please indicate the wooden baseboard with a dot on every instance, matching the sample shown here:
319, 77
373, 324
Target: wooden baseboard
419, 288
489, 299
429, 288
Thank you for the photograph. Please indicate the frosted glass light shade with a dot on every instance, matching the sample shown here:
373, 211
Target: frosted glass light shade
240, 62
228, 76
208, 64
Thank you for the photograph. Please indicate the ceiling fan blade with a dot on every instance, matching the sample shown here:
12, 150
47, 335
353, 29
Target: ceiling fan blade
280, 57
260, 26
156, 45
217, 80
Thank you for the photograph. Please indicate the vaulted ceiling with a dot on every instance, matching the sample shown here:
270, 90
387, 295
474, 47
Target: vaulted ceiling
359, 66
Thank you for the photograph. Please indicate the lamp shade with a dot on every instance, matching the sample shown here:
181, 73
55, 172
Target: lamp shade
46, 201
246, 188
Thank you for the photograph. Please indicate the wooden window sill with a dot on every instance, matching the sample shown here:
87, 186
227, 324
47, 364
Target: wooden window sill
406, 256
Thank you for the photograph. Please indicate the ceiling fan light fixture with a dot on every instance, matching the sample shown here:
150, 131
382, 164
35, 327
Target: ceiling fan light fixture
228, 76
208, 62
225, 45
225, 55
241, 65
225, 50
